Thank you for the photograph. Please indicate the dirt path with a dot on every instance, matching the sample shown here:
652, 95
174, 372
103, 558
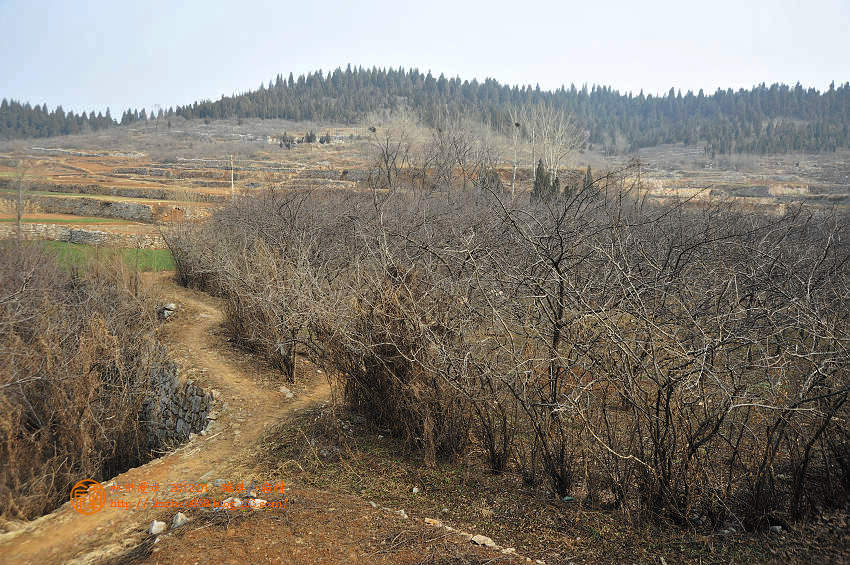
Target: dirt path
316, 526
246, 407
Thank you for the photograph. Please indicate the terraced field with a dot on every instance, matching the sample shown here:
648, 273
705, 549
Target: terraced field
130, 181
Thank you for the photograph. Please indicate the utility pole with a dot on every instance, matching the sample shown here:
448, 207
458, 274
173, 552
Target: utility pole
232, 189
20, 175
20, 208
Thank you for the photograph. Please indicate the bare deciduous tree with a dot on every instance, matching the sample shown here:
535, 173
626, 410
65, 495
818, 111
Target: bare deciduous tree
559, 133
391, 151
514, 116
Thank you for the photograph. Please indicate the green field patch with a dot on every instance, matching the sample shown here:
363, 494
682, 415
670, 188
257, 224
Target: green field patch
75, 255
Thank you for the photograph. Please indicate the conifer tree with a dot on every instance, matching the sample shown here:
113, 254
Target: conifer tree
543, 185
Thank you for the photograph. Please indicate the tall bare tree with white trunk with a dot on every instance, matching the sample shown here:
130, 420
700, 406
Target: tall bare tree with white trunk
560, 136
515, 117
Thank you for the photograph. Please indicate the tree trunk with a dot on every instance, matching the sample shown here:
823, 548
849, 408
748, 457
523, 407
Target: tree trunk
513, 178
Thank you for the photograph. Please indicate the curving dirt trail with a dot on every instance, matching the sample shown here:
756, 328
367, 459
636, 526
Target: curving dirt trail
67, 536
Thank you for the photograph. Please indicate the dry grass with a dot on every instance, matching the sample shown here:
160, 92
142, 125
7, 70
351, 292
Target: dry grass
76, 350
336, 449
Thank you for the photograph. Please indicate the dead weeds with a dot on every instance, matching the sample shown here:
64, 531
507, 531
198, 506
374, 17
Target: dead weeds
334, 449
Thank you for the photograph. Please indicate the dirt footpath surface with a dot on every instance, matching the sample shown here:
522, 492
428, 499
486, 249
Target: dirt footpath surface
308, 526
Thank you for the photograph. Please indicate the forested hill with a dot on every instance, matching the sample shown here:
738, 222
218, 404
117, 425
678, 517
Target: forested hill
23, 120
778, 118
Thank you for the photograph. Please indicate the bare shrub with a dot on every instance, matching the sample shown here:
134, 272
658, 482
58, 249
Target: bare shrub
666, 359
76, 351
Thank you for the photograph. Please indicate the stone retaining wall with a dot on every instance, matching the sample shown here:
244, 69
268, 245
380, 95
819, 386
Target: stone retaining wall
134, 211
142, 171
149, 193
53, 232
176, 408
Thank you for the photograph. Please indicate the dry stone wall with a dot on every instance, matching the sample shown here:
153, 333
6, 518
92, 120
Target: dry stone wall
81, 206
55, 232
123, 210
150, 193
175, 408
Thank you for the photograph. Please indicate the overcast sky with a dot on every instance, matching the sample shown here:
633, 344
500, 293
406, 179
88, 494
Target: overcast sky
90, 55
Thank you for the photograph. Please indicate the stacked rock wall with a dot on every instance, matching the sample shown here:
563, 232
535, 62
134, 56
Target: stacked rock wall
55, 232
176, 408
82, 206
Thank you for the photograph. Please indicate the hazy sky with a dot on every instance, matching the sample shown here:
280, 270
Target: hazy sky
87, 55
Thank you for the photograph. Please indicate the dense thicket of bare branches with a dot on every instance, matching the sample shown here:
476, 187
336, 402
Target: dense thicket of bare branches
670, 361
75, 354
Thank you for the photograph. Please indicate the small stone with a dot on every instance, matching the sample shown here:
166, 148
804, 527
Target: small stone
776, 529
695, 520
372, 504
178, 520
157, 527
257, 503
169, 306
232, 502
415, 490
433, 522
509, 551
402, 513
445, 510
479, 539
465, 535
